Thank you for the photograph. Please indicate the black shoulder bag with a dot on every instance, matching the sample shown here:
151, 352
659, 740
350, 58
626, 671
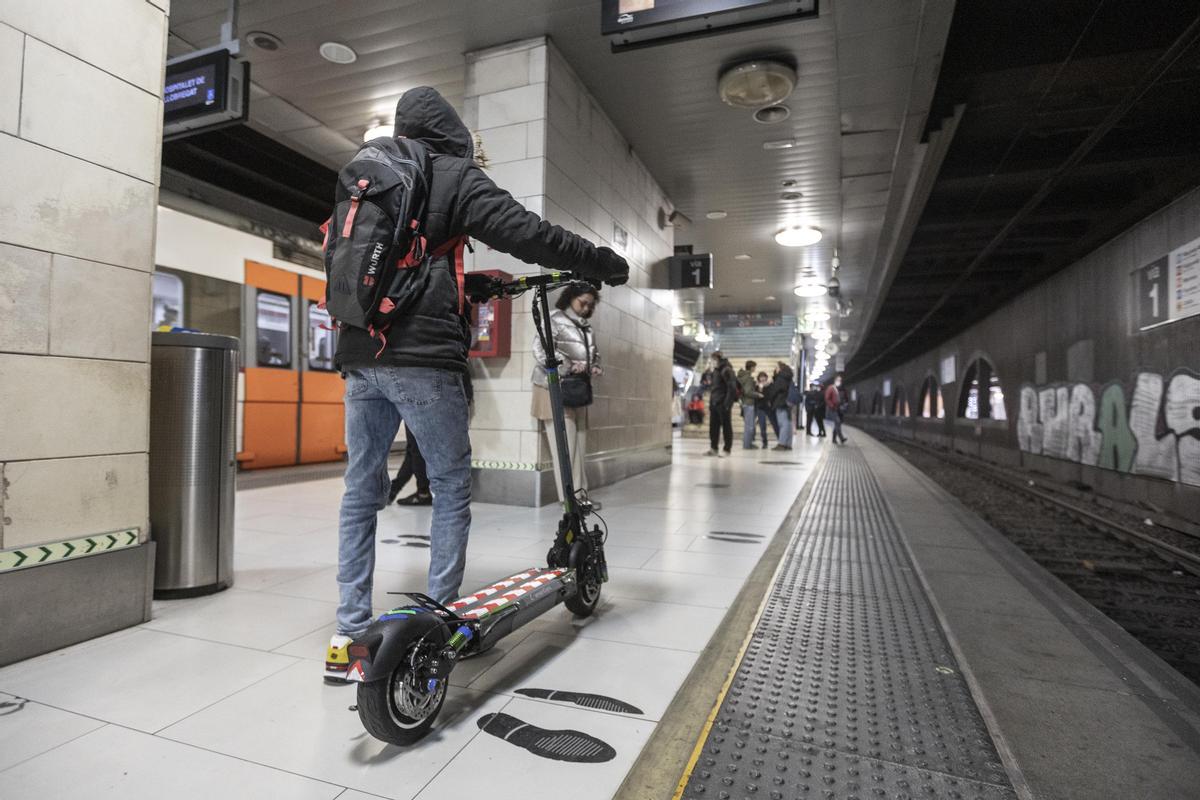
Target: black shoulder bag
577, 386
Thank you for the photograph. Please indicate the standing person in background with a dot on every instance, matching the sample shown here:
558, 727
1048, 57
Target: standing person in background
814, 405
412, 467
763, 411
750, 396
780, 395
720, 405
575, 345
834, 406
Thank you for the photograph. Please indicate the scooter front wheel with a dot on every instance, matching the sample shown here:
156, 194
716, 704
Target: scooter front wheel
587, 582
396, 710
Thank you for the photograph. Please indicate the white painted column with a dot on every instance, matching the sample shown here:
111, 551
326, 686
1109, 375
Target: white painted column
549, 143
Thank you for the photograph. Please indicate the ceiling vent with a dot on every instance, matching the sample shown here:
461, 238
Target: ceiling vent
772, 114
338, 53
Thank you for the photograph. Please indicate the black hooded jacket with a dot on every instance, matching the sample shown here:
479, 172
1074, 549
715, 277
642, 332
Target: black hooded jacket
463, 201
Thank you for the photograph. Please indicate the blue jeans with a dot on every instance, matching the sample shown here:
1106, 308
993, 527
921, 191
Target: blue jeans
433, 404
748, 414
784, 416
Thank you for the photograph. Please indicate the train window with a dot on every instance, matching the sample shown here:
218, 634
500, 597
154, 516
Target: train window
322, 339
273, 330
982, 396
931, 400
167, 309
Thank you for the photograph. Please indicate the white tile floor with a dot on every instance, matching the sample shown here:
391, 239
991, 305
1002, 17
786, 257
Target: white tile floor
222, 696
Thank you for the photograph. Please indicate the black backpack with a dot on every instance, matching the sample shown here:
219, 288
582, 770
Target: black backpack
376, 264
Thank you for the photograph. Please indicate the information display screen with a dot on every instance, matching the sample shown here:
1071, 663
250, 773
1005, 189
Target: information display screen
273, 330
626, 15
196, 86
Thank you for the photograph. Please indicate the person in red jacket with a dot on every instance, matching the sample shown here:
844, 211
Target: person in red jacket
833, 407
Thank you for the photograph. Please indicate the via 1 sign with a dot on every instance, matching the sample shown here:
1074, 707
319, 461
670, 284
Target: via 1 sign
691, 271
1168, 288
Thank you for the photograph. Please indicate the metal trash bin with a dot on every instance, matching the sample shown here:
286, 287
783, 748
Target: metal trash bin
193, 467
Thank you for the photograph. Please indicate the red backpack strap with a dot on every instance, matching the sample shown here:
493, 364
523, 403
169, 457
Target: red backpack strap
457, 244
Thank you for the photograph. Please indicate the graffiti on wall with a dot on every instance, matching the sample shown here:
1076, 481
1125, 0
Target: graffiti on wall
1156, 431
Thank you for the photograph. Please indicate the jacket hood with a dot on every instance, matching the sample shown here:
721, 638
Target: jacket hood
423, 114
786, 372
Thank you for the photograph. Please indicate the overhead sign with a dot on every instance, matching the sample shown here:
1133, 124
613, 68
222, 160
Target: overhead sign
1168, 288
203, 91
756, 320
691, 271
676, 19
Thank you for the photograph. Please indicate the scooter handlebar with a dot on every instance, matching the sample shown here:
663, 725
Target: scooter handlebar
480, 288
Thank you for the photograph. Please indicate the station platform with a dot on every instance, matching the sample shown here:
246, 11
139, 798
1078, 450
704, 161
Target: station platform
869, 637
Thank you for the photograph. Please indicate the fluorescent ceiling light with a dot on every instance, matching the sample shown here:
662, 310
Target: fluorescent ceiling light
379, 129
717, 214
809, 290
779, 144
742, 257
798, 236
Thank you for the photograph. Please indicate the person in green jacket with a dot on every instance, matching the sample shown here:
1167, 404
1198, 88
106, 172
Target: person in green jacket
749, 384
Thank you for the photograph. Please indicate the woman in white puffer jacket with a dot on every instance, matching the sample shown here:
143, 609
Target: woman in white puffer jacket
575, 343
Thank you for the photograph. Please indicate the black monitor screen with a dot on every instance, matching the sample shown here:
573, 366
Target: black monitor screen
196, 86
624, 15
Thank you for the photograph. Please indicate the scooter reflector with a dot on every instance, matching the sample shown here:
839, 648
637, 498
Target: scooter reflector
501, 593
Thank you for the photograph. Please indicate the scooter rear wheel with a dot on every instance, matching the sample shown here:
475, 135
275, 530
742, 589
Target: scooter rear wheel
395, 710
587, 581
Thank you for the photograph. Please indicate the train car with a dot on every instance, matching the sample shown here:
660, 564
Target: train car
218, 279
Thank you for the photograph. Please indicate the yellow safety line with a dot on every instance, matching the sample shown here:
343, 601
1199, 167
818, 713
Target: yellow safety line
737, 663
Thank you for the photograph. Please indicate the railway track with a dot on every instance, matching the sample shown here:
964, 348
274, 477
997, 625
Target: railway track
1146, 578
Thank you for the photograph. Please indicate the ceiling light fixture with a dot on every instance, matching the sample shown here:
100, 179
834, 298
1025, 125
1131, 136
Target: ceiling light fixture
338, 53
818, 316
378, 129
779, 144
677, 321
809, 290
717, 214
755, 84
772, 114
769, 297
791, 196
703, 336
264, 41
798, 236
758, 280
742, 257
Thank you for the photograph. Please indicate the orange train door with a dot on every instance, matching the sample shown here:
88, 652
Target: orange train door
322, 415
272, 382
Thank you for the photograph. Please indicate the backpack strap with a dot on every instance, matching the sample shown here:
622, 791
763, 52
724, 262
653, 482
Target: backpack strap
457, 244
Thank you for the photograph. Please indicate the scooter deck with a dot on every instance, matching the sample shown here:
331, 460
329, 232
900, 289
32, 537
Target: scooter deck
525, 586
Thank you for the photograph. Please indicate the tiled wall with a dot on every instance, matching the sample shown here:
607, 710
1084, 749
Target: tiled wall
549, 143
80, 125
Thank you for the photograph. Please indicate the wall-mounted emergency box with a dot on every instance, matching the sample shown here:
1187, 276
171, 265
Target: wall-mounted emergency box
491, 323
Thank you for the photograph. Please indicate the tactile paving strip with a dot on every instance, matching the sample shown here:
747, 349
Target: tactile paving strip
848, 688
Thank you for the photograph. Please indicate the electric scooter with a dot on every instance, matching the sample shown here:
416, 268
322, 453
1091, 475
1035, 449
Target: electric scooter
402, 664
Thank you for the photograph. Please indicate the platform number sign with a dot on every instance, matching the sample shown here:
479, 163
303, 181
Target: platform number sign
1153, 290
692, 271
1168, 288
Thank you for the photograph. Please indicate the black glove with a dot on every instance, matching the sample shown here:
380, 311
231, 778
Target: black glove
613, 268
480, 288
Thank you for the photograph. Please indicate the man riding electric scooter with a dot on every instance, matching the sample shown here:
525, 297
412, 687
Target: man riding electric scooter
416, 373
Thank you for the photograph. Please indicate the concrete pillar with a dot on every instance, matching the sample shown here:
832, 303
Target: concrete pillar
549, 143
80, 132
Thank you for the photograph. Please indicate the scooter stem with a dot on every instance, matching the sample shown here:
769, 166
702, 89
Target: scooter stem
556, 405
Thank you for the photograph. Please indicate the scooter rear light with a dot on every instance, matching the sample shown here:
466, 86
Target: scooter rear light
360, 651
